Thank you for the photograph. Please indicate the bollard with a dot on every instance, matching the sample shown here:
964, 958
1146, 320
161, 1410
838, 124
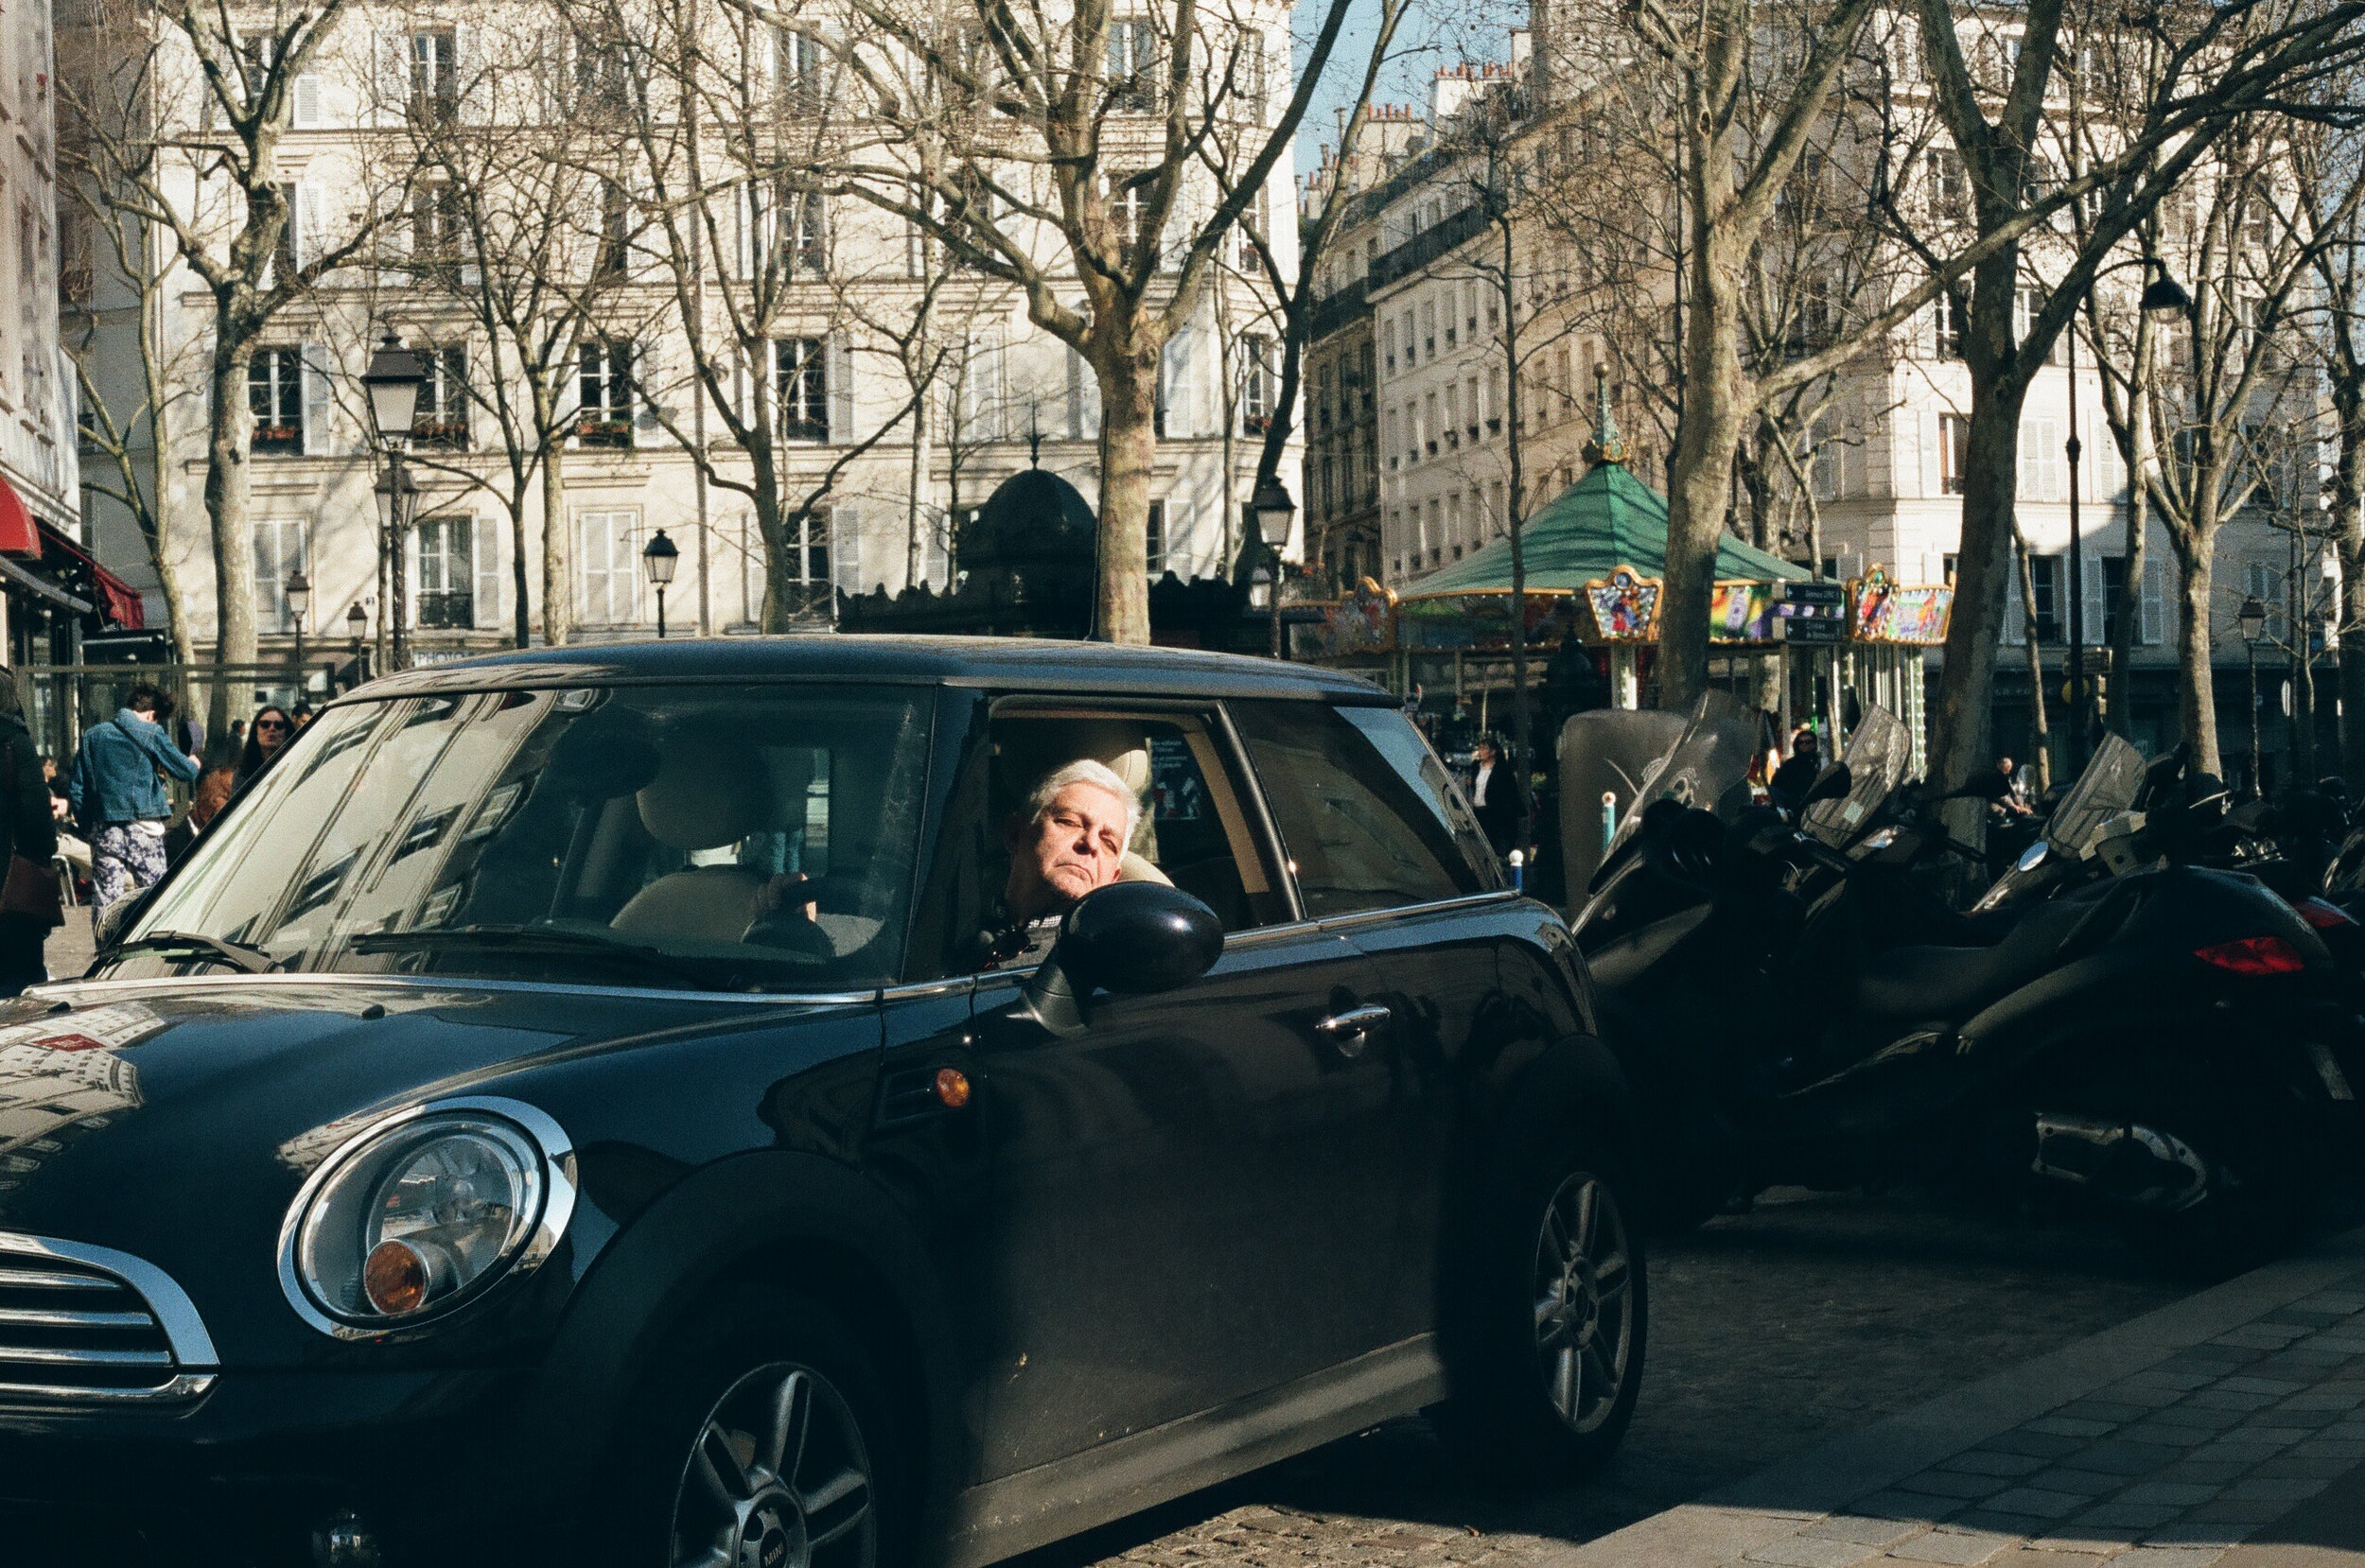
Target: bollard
1609, 818
1518, 871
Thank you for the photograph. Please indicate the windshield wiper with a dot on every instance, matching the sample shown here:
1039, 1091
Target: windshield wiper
238, 955
555, 940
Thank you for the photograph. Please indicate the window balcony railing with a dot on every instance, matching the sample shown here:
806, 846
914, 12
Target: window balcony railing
280, 440
603, 432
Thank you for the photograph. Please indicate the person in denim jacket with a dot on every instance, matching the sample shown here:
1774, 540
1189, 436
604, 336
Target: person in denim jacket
117, 791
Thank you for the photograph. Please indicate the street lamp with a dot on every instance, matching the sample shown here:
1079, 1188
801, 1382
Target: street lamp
2163, 297
1273, 511
2252, 618
298, 589
356, 627
661, 558
1260, 589
392, 383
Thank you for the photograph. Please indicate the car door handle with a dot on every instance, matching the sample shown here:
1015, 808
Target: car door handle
1350, 1030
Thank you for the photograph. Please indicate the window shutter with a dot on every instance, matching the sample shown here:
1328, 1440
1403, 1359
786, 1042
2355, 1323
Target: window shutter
2155, 622
551, 60
411, 570
840, 369
393, 243
392, 97
307, 223
305, 103
648, 379
475, 82
1083, 399
2097, 602
485, 541
1174, 370
316, 409
846, 573
745, 252
1933, 480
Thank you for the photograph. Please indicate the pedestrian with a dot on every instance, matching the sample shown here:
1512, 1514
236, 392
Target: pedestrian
2013, 802
269, 731
1792, 780
29, 830
302, 713
1496, 795
117, 793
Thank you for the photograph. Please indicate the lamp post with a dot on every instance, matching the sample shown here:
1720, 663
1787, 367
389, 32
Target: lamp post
2252, 618
2163, 297
661, 559
392, 383
1273, 511
358, 627
298, 589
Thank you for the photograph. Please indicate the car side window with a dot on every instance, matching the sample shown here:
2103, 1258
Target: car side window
1195, 833
1418, 763
1359, 836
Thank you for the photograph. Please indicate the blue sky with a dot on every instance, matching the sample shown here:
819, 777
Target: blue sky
1434, 33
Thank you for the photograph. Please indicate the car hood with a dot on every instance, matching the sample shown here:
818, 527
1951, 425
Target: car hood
176, 1119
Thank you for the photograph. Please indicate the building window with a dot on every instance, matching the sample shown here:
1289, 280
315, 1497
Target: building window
274, 392
1128, 204
1132, 66
441, 418
2046, 574
605, 418
607, 569
1953, 437
1257, 384
279, 550
603, 77
447, 573
436, 240
796, 66
614, 253
2042, 461
435, 95
801, 372
1154, 544
1948, 187
284, 255
809, 563
1952, 314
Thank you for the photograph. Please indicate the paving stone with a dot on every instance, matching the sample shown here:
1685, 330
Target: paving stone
2168, 1557
1865, 1529
2081, 1483
2018, 1526
2284, 1416
1801, 1551
1960, 1547
2332, 1300
2171, 1434
1942, 1483
2101, 1410
2262, 1489
2132, 1392
2259, 1386
2249, 1453
2300, 1314
2095, 1542
2222, 1398
2029, 1556
2043, 1502
2067, 1426
1892, 1504
2331, 1448
2261, 1336
2323, 1399
1983, 1462
2122, 1457
2169, 1376
2124, 1515
2187, 1532
2189, 1414
2346, 1340
2297, 1467
2044, 1445
2178, 1494
2282, 1437
2206, 1472
2252, 1514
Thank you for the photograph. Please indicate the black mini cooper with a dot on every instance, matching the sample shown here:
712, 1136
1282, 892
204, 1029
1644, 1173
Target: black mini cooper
596, 1106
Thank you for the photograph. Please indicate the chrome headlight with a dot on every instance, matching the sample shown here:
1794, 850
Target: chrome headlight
423, 1211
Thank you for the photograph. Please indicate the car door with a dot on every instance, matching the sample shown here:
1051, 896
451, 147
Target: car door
1387, 854
1170, 1210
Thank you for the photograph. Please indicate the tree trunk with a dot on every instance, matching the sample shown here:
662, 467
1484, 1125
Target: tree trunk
521, 622
558, 596
2039, 731
229, 430
1983, 573
1129, 448
915, 515
2348, 517
1700, 487
2196, 689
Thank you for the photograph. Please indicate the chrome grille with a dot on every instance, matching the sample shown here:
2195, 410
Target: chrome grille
81, 1324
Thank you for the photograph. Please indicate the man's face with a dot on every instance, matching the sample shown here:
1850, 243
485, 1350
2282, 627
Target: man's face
1484, 755
1072, 849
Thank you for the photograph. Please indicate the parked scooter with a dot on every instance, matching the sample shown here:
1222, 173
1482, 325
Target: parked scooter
1796, 1006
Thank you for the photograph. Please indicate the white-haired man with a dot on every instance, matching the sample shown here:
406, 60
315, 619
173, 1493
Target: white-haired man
1070, 839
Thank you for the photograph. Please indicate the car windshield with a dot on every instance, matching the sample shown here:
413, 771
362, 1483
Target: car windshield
1706, 766
749, 838
1879, 754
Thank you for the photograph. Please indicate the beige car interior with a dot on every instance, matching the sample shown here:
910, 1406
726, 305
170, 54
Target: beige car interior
705, 797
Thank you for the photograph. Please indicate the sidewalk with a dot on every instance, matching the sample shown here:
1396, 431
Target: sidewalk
2166, 1443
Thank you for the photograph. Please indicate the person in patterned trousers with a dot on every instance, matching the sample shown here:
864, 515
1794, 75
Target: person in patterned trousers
117, 789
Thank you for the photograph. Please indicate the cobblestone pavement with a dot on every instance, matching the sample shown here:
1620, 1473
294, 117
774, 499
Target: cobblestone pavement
68, 951
1809, 1317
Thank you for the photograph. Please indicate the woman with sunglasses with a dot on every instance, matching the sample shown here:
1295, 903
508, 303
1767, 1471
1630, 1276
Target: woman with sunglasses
264, 736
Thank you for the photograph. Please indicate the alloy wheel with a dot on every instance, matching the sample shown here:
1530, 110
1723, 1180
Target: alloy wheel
1585, 1302
777, 1477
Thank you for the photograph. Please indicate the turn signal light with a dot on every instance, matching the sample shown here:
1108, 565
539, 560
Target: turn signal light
395, 1278
952, 1087
2254, 955
2323, 916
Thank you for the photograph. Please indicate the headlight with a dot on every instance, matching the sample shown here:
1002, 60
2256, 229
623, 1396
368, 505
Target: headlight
423, 1212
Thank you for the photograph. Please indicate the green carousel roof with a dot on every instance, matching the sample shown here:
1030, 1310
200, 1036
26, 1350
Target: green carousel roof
1605, 520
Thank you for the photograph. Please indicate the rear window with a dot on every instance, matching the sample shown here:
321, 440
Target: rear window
1367, 816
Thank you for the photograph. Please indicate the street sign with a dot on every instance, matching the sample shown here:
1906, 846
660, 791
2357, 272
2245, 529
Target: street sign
1811, 615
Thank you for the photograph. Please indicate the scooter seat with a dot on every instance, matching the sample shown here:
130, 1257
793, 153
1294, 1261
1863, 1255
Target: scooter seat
1948, 985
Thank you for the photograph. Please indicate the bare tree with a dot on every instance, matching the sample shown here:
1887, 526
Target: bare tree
1059, 150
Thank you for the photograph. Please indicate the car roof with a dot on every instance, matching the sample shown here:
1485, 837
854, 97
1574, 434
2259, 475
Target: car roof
1010, 663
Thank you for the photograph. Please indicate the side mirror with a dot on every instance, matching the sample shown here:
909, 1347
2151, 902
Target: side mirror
1834, 785
1131, 937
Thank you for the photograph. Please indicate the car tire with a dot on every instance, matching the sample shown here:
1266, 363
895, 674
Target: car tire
764, 1421
1545, 1335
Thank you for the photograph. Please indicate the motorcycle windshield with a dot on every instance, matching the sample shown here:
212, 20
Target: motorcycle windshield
1707, 767
1879, 754
2108, 786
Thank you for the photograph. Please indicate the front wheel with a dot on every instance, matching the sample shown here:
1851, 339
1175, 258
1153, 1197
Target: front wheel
1546, 1358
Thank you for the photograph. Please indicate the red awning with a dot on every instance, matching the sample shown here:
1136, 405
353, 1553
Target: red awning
17, 536
118, 601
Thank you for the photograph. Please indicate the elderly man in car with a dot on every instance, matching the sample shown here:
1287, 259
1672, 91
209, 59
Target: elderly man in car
1070, 839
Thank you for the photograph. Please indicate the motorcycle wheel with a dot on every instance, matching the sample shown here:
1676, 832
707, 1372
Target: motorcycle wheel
2265, 1176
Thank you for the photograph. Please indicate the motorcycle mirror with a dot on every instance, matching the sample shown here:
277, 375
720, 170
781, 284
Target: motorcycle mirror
1834, 785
